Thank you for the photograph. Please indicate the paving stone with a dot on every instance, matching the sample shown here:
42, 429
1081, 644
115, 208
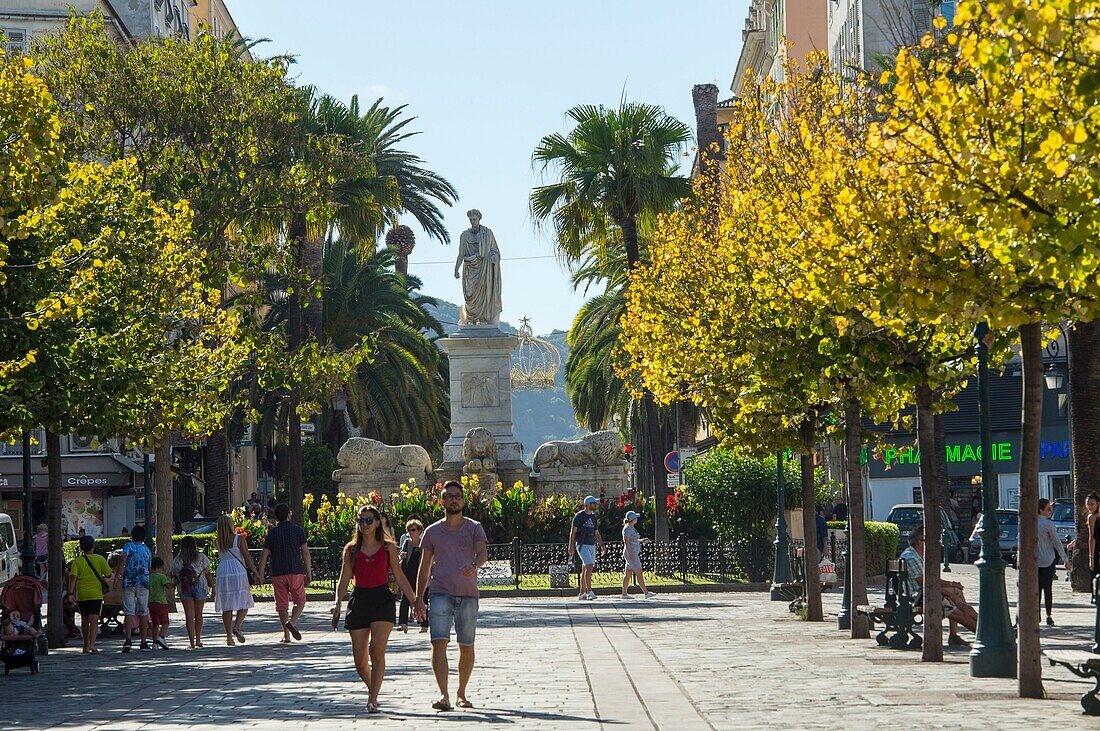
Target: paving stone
683, 661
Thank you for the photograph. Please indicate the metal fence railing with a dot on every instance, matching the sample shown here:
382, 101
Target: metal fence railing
519, 565
325, 562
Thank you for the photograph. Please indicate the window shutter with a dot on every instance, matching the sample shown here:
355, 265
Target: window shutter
922, 18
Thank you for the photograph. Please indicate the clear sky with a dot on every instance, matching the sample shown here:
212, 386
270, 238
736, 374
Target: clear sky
486, 80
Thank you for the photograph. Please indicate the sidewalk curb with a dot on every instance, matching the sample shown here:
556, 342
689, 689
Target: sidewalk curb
567, 593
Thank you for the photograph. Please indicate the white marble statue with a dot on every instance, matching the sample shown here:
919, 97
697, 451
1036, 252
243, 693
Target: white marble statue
479, 261
600, 449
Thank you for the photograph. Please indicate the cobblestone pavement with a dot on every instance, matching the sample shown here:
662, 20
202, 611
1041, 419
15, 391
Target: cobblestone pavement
683, 661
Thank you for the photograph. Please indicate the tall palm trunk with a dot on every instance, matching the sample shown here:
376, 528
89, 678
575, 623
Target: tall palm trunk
1030, 668
933, 608
1084, 398
162, 487
857, 552
55, 589
217, 474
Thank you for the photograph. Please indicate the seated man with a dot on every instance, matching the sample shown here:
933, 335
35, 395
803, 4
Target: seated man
955, 607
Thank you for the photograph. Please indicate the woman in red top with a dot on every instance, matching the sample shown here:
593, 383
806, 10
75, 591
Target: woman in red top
370, 558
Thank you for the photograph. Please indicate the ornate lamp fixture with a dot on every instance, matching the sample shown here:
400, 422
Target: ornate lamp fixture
535, 363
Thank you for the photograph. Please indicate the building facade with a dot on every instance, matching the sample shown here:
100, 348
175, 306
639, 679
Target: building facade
865, 35
775, 30
125, 19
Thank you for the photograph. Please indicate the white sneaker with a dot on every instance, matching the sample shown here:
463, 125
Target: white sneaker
582, 597
650, 595
591, 595
625, 596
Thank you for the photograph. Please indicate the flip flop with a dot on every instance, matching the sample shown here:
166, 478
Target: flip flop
293, 631
238, 634
442, 706
463, 703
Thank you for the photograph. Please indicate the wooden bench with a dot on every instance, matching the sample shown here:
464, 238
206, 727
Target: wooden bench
898, 612
1084, 665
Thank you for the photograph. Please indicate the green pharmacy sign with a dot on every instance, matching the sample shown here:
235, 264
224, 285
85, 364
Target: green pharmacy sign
999, 452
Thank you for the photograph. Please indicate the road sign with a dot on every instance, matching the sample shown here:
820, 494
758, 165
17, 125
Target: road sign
687, 453
673, 480
672, 462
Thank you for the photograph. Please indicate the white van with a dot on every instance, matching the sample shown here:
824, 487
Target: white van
9, 549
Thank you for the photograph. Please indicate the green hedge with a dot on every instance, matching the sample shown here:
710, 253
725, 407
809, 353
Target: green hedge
881, 544
105, 546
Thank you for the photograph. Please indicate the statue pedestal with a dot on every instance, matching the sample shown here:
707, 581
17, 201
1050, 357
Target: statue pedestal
581, 481
481, 394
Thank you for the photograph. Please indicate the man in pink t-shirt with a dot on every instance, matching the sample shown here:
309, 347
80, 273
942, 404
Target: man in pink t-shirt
453, 549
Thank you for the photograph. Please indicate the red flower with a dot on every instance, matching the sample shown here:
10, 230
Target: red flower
670, 502
619, 503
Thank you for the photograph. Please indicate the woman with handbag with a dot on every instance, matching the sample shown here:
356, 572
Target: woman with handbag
88, 583
368, 559
191, 573
235, 576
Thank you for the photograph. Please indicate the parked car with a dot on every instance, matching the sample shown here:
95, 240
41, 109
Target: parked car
1009, 520
10, 563
908, 516
1063, 519
199, 526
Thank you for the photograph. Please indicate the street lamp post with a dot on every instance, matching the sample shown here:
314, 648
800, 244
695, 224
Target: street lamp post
994, 651
844, 616
782, 574
26, 557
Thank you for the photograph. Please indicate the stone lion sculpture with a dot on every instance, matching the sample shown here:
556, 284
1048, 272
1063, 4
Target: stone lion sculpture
360, 455
599, 449
479, 450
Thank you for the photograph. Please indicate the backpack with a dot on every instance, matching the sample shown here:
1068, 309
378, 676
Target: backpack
188, 577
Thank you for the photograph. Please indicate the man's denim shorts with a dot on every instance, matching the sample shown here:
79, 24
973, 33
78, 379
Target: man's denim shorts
445, 610
587, 553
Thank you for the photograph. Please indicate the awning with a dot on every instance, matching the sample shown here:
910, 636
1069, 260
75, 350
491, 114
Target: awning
78, 472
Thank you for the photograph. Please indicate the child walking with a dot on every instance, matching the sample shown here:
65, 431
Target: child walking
158, 602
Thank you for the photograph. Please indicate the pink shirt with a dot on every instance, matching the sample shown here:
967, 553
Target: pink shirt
41, 543
453, 550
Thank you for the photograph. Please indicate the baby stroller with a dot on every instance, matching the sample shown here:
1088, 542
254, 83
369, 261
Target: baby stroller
24, 595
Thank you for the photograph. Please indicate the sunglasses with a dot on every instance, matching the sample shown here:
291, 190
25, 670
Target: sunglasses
367, 520
452, 496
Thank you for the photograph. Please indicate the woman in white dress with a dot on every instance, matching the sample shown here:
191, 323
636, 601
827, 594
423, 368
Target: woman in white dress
233, 593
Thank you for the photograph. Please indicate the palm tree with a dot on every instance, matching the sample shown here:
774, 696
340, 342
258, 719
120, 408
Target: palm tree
400, 394
614, 173
616, 166
373, 182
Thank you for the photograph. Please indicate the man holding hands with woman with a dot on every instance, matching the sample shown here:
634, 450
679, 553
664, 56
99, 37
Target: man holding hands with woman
446, 593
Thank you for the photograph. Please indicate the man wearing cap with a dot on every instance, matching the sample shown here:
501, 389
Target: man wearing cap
584, 536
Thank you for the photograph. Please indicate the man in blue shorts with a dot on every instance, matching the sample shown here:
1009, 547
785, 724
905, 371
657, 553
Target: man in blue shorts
584, 537
452, 550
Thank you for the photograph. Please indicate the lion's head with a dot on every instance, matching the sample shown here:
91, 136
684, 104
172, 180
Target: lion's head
479, 442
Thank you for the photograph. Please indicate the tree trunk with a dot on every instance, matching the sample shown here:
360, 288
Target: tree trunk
933, 609
705, 99
629, 226
313, 265
655, 452
55, 589
297, 235
217, 474
1027, 607
809, 524
1084, 406
162, 488
857, 551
